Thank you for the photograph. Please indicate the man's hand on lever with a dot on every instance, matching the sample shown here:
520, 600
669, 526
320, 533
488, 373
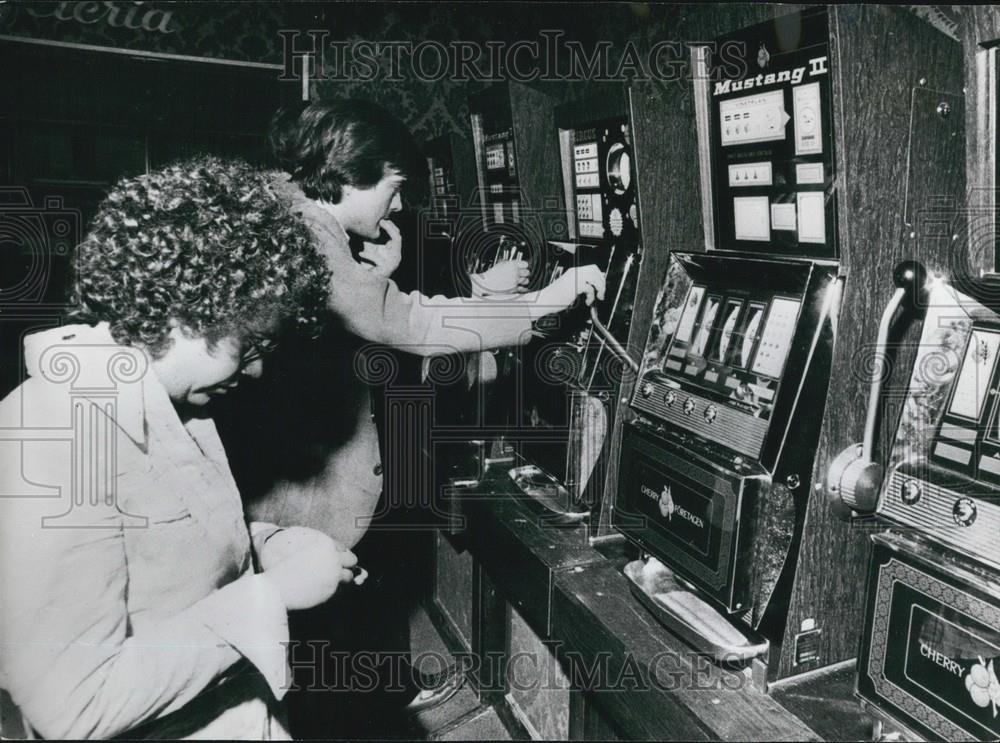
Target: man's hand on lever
594, 283
586, 280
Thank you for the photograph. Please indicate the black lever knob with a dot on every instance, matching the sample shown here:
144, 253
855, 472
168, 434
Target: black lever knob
854, 478
910, 276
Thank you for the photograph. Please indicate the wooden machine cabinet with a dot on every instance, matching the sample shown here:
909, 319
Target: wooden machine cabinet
897, 185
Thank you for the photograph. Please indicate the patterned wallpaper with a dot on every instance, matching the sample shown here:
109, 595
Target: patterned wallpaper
433, 107
249, 31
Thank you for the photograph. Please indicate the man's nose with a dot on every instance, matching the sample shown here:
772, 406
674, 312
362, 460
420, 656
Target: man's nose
254, 369
397, 204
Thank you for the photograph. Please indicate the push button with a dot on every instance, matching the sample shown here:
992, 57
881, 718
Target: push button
377, 469
911, 492
964, 512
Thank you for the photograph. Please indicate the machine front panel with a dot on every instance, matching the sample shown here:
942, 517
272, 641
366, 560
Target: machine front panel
931, 647
685, 509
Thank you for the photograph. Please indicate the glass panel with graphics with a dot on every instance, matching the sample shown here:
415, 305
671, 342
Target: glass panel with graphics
973, 383
777, 337
771, 138
967, 440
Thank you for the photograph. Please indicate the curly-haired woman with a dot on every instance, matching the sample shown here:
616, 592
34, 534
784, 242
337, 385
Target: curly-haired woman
135, 599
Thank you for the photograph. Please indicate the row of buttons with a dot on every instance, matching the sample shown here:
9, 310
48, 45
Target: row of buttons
710, 413
964, 511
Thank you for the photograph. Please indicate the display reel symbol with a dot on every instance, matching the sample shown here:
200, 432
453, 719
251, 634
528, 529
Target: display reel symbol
666, 503
763, 56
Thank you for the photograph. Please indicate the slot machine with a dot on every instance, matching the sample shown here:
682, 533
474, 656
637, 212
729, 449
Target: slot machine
738, 406
517, 169
447, 155
438, 222
432, 217
731, 378
571, 376
517, 188
930, 647
452, 190
716, 463
490, 202
553, 431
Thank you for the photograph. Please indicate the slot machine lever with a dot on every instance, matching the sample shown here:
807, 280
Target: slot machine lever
854, 476
612, 342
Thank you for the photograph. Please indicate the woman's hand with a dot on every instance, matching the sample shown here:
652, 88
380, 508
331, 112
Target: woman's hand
306, 565
506, 277
384, 258
587, 280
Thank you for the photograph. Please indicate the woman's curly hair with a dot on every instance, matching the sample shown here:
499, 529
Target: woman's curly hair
205, 242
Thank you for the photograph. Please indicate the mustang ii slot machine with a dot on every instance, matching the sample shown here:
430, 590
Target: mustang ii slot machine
716, 462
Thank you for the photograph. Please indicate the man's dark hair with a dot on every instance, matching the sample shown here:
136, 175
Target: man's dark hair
326, 145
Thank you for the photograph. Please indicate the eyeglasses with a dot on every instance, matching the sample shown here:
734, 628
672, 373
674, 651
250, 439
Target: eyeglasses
257, 348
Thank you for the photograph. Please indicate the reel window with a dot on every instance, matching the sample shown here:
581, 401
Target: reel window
619, 168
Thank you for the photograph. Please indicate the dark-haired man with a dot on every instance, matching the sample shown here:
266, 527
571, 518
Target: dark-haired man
345, 163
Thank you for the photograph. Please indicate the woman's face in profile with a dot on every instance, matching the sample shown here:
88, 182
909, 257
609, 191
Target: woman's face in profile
193, 372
